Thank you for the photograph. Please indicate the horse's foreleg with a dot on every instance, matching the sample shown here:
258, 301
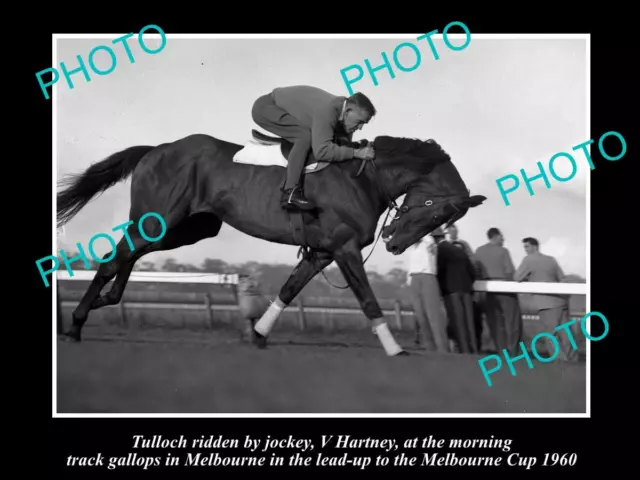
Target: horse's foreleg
301, 275
349, 260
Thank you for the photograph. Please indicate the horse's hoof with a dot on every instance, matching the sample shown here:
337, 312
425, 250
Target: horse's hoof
259, 340
402, 353
71, 337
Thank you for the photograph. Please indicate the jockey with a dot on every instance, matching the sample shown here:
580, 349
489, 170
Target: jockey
312, 119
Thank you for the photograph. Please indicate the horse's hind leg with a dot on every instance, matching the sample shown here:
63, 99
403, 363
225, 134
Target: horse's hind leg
189, 231
120, 267
105, 273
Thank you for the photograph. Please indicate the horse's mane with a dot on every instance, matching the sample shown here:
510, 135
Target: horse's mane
414, 153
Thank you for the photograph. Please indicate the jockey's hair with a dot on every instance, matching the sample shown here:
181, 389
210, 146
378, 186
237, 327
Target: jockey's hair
360, 100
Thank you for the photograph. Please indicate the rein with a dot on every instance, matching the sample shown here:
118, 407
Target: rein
391, 205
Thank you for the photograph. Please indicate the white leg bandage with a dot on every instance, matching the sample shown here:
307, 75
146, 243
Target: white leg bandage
269, 318
387, 340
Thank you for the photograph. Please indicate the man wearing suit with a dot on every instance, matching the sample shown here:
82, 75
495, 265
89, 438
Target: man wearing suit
456, 275
504, 316
478, 297
312, 119
251, 302
552, 309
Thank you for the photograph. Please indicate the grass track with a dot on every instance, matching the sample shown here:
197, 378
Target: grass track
156, 371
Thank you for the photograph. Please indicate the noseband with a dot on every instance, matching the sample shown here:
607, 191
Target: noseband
439, 199
392, 205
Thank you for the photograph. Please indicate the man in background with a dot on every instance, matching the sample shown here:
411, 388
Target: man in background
454, 239
504, 316
552, 309
478, 297
456, 275
251, 302
425, 295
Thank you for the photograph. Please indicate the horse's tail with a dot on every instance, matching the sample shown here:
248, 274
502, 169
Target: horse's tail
82, 187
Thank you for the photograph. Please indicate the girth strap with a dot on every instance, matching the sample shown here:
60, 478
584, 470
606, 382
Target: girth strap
296, 224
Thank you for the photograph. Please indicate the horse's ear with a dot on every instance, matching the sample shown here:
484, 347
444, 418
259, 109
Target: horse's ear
472, 201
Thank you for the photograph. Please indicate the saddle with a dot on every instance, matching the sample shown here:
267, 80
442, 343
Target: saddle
285, 150
297, 218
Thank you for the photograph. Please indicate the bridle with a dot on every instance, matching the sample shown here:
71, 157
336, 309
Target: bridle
392, 205
438, 199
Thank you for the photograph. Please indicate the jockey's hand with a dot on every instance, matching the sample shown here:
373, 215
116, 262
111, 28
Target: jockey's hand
365, 153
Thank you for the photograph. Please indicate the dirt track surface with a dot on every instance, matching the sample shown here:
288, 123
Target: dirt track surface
196, 373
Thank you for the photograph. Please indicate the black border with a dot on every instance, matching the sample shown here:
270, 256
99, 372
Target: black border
595, 439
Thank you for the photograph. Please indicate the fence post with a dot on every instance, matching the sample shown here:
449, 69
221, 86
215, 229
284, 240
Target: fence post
207, 303
398, 314
301, 320
332, 322
238, 318
123, 313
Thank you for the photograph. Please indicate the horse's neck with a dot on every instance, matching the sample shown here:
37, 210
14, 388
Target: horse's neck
394, 180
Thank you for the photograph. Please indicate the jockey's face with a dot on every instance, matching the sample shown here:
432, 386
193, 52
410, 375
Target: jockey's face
354, 119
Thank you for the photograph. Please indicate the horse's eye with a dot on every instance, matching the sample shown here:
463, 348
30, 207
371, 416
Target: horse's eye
405, 208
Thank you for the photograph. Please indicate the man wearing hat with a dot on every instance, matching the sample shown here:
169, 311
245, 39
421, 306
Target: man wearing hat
456, 275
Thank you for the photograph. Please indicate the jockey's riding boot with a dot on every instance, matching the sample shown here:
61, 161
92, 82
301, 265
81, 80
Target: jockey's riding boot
293, 198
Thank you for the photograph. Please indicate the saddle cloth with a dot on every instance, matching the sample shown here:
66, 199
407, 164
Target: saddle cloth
256, 153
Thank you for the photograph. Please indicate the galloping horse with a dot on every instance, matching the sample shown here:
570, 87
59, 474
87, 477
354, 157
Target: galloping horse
195, 185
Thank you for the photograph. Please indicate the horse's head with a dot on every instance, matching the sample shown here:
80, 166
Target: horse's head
435, 192
421, 213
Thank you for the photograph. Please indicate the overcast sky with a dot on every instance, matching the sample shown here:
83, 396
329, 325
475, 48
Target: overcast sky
495, 107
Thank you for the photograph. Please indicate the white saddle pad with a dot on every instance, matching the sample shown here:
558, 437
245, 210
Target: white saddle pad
256, 153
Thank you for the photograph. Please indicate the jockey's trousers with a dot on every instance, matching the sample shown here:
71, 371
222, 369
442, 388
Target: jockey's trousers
277, 121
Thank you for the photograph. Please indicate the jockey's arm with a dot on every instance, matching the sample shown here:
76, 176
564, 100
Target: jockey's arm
322, 143
348, 141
